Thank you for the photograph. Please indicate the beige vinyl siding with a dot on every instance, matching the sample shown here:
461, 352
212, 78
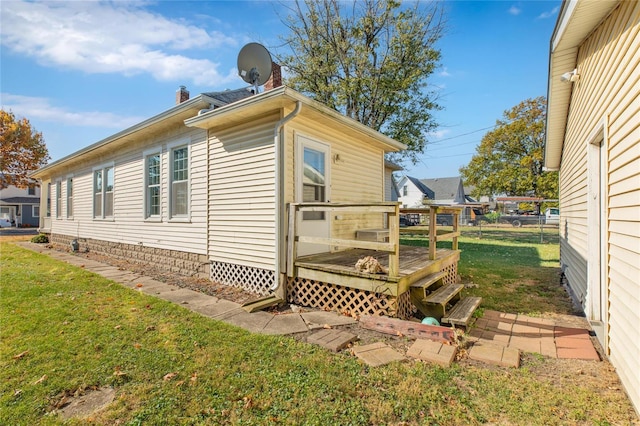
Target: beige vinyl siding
609, 88
128, 224
356, 167
242, 194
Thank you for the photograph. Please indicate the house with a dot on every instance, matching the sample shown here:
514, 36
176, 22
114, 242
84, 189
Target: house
391, 190
448, 190
268, 192
593, 139
20, 206
413, 193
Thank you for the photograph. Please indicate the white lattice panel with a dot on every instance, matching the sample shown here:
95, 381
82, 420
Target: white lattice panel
254, 280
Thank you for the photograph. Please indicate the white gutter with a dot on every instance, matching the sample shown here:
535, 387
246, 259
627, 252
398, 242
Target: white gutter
278, 185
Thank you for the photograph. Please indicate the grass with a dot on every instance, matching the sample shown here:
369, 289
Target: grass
77, 331
510, 268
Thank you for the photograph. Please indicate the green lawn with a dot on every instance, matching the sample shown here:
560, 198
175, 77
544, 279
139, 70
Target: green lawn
66, 330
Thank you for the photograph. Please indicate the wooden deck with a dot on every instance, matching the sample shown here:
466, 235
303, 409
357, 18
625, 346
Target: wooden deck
339, 268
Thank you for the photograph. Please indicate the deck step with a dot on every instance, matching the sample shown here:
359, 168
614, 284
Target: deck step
462, 311
444, 294
429, 280
262, 303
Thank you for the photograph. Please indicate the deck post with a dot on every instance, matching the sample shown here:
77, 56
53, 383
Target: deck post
433, 238
456, 219
291, 241
394, 238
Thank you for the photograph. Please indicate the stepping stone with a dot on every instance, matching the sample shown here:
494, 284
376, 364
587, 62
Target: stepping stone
321, 318
428, 350
377, 354
494, 354
285, 324
334, 340
574, 343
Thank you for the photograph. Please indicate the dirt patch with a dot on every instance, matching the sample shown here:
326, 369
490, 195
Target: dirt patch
85, 403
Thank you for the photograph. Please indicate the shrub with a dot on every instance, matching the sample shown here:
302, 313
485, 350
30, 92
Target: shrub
493, 217
40, 239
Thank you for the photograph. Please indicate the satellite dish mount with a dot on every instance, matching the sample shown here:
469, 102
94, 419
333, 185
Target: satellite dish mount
254, 65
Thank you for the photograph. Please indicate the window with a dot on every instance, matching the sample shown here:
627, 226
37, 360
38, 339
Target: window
97, 193
35, 211
48, 212
58, 199
405, 191
152, 181
69, 197
31, 190
313, 184
103, 185
179, 182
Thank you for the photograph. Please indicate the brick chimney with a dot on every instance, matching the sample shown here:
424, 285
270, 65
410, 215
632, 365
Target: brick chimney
276, 77
182, 94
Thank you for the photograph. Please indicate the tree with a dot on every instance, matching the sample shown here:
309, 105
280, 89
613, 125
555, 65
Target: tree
22, 150
509, 159
369, 60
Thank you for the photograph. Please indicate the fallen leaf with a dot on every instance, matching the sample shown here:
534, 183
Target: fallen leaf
399, 334
150, 328
326, 326
194, 377
137, 345
17, 392
119, 372
180, 383
41, 379
118, 327
169, 376
20, 355
139, 285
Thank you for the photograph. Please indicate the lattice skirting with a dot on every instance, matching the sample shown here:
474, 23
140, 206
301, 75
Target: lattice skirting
317, 294
254, 280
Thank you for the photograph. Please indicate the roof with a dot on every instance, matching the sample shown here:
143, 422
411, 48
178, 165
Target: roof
229, 96
444, 188
20, 200
422, 187
393, 166
284, 97
576, 20
140, 131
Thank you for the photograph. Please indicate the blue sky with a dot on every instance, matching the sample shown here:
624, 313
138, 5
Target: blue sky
83, 70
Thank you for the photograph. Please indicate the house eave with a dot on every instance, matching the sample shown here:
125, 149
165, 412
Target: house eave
173, 115
577, 20
279, 98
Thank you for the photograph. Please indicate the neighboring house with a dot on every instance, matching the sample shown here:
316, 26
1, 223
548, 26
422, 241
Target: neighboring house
204, 186
593, 139
449, 190
21, 206
413, 193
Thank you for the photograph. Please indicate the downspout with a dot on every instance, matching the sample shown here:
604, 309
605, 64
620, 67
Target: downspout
278, 185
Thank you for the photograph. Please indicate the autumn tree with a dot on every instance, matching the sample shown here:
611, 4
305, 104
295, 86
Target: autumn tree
509, 159
370, 60
22, 150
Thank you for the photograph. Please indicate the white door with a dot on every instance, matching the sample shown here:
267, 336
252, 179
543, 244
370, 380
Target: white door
312, 185
597, 292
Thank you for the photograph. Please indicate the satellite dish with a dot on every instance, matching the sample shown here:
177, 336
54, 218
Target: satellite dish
254, 64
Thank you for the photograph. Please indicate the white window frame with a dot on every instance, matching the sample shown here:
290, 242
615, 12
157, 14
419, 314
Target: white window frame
171, 149
69, 197
58, 199
145, 189
33, 211
103, 192
48, 209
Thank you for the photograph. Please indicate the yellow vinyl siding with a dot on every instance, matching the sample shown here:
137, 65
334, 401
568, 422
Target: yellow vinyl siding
128, 224
357, 172
608, 91
242, 194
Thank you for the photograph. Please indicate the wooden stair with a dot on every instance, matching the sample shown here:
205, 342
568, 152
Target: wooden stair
261, 303
443, 302
462, 312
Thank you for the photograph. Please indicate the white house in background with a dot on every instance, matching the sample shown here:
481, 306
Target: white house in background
413, 193
20, 206
593, 139
204, 186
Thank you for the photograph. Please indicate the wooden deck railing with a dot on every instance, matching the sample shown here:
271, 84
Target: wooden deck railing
392, 246
432, 211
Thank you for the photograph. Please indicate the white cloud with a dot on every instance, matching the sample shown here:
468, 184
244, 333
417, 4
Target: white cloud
444, 73
515, 10
438, 134
35, 108
552, 12
113, 37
